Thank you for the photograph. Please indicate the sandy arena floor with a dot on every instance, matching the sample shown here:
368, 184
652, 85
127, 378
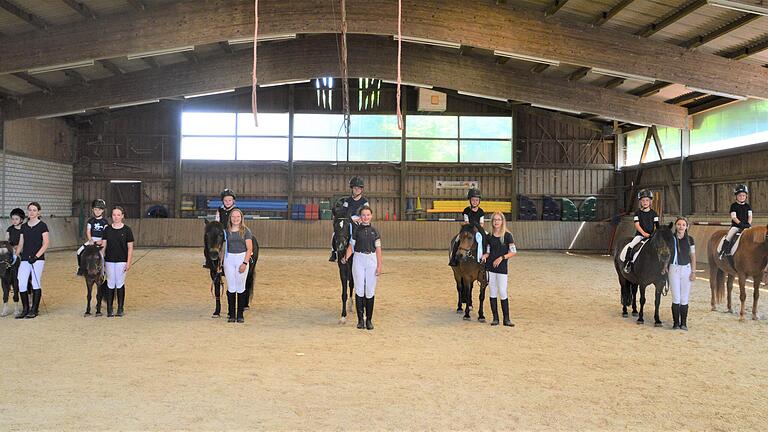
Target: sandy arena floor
571, 363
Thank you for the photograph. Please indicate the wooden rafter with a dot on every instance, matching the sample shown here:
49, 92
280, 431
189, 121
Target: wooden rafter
42, 85
721, 31
746, 50
81, 8
672, 18
607, 15
149, 61
76, 76
138, 5
111, 67
613, 83
556, 6
23, 14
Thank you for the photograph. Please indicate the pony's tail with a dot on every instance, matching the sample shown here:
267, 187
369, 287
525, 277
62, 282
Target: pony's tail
719, 281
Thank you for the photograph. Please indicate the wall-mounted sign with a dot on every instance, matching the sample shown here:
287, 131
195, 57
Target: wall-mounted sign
456, 184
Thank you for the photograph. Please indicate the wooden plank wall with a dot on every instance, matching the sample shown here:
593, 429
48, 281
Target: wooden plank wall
49, 139
591, 236
62, 232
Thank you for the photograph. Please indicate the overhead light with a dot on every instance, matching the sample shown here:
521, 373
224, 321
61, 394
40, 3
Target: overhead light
125, 181
272, 38
716, 93
279, 83
526, 58
555, 108
130, 104
624, 75
59, 67
209, 93
424, 41
426, 86
161, 52
483, 96
47, 116
738, 6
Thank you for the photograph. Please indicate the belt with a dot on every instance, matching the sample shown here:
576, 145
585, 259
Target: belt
364, 253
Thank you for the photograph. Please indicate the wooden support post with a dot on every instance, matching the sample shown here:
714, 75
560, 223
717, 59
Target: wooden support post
177, 109
403, 161
513, 178
639, 173
670, 173
686, 200
291, 111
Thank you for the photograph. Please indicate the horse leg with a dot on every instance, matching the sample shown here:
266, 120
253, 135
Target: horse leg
100, 287
714, 274
89, 288
656, 319
742, 295
467, 292
459, 302
634, 288
640, 319
344, 297
729, 286
351, 288
755, 296
480, 316
217, 295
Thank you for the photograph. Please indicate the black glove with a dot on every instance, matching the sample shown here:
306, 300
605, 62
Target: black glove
32, 259
745, 225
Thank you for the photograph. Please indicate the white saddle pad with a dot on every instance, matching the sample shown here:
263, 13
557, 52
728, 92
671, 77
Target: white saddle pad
733, 248
637, 250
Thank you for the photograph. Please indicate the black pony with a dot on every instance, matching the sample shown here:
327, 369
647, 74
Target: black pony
468, 271
650, 267
213, 250
94, 275
8, 272
342, 228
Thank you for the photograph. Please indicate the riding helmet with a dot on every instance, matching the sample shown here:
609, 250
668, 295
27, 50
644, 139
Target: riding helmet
474, 192
18, 212
741, 188
645, 193
228, 192
356, 182
99, 203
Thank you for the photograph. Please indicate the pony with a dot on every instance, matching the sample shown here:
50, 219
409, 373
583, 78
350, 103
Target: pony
342, 227
749, 260
213, 250
650, 267
468, 271
8, 271
93, 264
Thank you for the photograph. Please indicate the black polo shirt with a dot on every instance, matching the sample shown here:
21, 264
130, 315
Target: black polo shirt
352, 206
33, 240
475, 218
649, 220
365, 239
497, 247
14, 235
224, 214
97, 226
117, 243
742, 213
683, 248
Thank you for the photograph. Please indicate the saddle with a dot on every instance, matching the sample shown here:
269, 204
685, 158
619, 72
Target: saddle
736, 241
636, 251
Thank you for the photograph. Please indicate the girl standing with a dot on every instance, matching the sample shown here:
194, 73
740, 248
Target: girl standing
682, 272
33, 242
501, 247
12, 236
239, 248
118, 253
366, 266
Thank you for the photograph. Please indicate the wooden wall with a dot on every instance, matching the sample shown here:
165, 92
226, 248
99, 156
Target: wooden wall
50, 139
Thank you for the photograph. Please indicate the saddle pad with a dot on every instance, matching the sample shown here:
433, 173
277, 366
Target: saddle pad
639, 247
733, 248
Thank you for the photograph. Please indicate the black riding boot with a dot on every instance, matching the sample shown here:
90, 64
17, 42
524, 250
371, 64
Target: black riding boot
628, 261
24, 305
505, 313
359, 305
675, 316
110, 294
726, 249
684, 317
120, 300
240, 306
80, 269
35, 308
494, 311
231, 317
333, 256
369, 313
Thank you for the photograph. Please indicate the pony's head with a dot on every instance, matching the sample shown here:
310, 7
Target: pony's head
214, 240
467, 242
341, 227
661, 241
6, 257
91, 259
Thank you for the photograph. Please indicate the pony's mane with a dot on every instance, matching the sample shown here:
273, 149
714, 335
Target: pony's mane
468, 228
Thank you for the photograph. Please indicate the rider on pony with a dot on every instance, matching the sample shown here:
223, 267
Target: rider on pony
350, 208
646, 222
475, 216
741, 218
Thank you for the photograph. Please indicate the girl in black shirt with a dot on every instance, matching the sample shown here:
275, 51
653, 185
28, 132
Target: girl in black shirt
646, 222
33, 243
118, 252
501, 247
12, 236
741, 218
366, 266
682, 272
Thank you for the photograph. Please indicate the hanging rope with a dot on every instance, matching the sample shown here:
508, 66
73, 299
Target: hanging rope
344, 68
399, 60
255, 43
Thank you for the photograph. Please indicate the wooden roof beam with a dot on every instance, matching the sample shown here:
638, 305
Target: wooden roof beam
674, 17
81, 8
20, 13
42, 85
613, 83
138, 5
190, 22
108, 65
607, 15
370, 57
556, 6
722, 31
746, 50
76, 76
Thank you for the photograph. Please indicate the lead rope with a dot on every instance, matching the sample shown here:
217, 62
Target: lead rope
253, 75
400, 124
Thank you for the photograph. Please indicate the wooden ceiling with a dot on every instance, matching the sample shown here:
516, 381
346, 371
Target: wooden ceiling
661, 45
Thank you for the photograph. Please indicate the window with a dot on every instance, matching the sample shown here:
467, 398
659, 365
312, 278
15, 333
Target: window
485, 139
737, 124
470, 139
670, 144
234, 136
322, 137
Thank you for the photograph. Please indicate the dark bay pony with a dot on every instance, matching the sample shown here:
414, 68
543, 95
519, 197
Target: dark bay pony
650, 268
8, 271
213, 250
94, 276
469, 271
341, 227
749, 260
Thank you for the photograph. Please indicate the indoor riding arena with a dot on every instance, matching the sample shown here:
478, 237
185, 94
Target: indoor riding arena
557, 209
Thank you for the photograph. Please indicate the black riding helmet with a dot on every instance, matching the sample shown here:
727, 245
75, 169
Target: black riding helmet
645, 193
228, 192
18, 212
356, 182
474, 192
741, 188
99, 203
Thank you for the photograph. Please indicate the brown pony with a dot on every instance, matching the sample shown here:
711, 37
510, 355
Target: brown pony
469, 271
748, 261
